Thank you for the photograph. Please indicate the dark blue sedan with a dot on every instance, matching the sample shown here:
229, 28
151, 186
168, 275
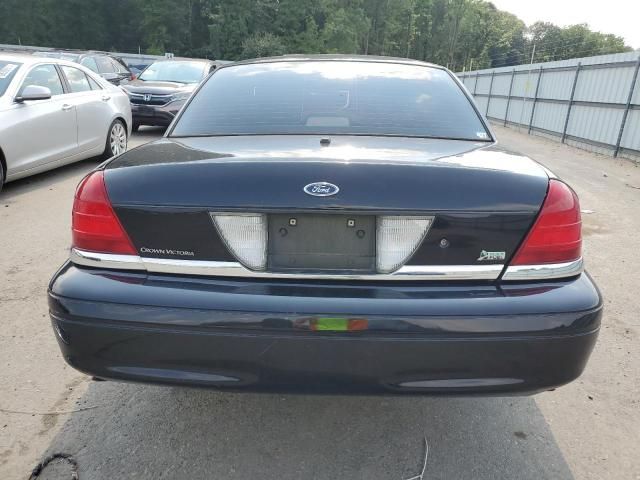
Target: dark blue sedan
327, 224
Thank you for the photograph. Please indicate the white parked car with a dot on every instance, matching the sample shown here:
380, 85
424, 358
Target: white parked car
54, 112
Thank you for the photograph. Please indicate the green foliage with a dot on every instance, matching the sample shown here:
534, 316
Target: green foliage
262, 45
457, 33
344, 28
555, 43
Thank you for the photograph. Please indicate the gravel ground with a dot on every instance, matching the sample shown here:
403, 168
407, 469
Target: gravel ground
589, 429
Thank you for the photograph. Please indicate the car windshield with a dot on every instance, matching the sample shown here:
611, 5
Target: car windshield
332, 97
180, 72
7, 71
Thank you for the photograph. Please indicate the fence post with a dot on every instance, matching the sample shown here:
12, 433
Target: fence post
475, 85
535, 100
573, 91
506, 113
627, 108
493, 74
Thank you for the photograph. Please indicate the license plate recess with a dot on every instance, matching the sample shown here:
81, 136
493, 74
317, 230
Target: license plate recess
322, 243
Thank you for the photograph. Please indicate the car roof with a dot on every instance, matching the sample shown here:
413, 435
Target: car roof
16, 57
71, 51
58, 54
33, 59
339, 58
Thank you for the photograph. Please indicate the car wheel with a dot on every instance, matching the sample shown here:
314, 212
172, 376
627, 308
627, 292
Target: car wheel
116, 140
135, 127
1, 176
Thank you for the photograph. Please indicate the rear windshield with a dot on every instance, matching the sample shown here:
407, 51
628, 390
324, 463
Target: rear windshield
171, 71
7, 71
331, 97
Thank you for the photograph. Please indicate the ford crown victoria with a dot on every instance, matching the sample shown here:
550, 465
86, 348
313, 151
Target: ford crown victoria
327, 224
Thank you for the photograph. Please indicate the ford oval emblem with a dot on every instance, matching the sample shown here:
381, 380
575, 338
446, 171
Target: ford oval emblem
321, 189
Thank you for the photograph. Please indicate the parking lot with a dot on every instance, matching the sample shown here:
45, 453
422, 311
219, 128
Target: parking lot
587, 430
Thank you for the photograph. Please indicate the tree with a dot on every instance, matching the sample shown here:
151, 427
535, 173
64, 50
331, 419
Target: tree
262, 45
344, 29
457, 33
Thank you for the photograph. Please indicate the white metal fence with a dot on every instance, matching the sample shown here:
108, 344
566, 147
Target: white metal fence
592, 103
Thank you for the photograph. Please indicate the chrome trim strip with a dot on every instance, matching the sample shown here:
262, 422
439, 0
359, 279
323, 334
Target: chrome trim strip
445, 272
166, 98
106, 260
235, 269
544, 272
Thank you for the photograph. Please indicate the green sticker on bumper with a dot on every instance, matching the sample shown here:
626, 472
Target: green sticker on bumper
332, 324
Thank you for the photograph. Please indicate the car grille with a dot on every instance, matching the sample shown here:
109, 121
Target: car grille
150, 99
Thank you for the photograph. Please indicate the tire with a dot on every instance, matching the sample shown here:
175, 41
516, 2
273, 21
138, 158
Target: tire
116, 140
135, 127
1, 176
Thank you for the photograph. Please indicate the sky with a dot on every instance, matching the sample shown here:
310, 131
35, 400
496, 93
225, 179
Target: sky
620, 17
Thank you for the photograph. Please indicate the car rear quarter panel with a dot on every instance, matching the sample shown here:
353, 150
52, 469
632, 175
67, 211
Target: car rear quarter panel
122, 108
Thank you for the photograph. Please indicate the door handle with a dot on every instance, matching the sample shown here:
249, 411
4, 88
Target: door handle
66, 107
106, 98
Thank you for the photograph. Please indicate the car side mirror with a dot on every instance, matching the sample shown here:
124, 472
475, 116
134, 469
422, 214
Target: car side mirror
34, 92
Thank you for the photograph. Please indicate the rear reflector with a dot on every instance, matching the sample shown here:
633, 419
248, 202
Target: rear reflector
556, 235
397, 239
95, 227
246, 236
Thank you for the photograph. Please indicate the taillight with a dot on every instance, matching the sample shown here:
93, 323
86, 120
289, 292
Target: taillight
556, 235
397, 239
95, 227
246, 237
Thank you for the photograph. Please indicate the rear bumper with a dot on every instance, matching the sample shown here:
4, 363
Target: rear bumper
328, 337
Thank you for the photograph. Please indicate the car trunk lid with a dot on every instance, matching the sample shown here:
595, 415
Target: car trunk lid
373, 174
478, 201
